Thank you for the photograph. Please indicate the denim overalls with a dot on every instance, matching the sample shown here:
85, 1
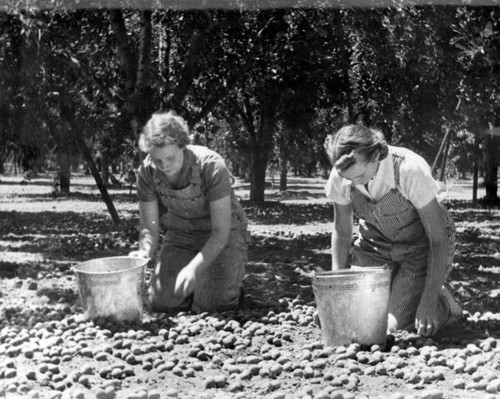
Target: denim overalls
188, 227
390, 232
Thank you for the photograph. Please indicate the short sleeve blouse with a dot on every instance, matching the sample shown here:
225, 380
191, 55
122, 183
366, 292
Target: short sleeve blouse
215, 176
416, 183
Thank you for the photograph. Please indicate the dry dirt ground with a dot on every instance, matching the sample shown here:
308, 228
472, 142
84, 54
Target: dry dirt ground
269, 348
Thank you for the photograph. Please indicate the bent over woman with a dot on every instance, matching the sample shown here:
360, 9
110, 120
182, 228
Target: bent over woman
401, 224
186, 189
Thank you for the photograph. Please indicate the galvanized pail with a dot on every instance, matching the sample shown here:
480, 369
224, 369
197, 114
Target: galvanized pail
353, 305
112, 287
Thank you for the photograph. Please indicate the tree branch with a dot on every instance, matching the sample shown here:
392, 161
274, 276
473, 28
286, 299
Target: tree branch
127, 58
146, 38
191, 66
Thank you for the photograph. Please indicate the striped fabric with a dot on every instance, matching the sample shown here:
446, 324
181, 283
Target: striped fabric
390, 232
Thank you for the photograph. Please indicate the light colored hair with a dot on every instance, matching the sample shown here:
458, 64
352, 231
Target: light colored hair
163, 129
351, 141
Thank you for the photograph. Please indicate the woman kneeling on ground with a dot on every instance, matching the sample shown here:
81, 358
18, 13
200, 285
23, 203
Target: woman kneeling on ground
401, 224
186, 189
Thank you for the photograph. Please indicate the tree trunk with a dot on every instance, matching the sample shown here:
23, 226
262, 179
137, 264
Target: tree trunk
97, 177
261, 135
284, 175
146, 36
64, 161
475, 178
191, 66
244, 168
283, 162
258, 177
491, 170
15, 65
137, 70
490, 184
68, 114
442, 176
142, 101
235, 166
476, 162
127, 58
261, 143
105, 170
345, 63
442, 147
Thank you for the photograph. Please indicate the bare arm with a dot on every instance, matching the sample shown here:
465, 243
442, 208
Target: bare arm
220, 217
434, 222
149, 228
341, 235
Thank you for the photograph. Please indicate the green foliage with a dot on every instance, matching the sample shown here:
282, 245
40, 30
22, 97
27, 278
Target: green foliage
477, 39
252, 83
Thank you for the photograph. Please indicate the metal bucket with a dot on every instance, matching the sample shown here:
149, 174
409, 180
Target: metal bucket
112, 287
353, 305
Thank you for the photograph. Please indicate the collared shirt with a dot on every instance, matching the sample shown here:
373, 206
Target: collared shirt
416, 183
216, 179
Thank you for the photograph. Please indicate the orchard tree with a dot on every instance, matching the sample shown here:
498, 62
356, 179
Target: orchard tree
286, 62
477, 37
23, 133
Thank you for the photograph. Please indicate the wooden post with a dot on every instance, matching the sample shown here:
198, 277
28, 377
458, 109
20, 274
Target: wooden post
491, 164
68, 114
442, 175
475, 173
97, 177
441, 148
475, 176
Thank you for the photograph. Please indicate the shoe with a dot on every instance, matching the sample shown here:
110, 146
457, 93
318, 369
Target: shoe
455, 307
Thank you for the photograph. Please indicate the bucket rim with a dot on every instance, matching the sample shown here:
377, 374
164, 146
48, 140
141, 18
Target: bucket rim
140, 265
351, 272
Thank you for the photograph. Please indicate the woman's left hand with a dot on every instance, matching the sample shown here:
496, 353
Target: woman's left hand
426, 319
185, 283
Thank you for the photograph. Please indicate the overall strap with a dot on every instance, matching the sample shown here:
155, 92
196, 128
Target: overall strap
396, 162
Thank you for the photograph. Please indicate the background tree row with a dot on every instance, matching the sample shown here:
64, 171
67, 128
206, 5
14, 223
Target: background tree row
263, 87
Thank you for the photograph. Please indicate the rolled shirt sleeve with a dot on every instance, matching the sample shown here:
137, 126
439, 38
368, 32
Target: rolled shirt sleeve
338, 189
146, 191
416, 181
216, 177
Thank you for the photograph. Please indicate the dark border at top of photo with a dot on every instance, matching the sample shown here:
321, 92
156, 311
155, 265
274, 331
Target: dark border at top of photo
16, 5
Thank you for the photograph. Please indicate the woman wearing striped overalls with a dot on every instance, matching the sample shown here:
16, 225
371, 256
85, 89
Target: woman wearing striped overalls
401, 224
186, 190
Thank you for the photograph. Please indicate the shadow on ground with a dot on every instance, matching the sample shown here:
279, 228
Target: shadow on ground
280, 265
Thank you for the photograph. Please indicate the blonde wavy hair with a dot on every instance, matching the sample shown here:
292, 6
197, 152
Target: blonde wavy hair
163, 129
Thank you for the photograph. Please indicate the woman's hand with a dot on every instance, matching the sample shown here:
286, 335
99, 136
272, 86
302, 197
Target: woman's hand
435, 223
186, 281
426, 319
220, 218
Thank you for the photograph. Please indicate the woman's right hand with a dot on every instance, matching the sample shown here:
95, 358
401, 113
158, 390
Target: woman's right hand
186, 281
